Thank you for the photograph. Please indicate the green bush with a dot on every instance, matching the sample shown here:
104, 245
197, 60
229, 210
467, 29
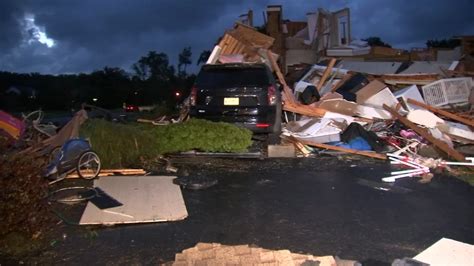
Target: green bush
125, 145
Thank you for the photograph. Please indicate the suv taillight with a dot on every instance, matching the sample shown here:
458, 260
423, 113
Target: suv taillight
272, 96
193, 96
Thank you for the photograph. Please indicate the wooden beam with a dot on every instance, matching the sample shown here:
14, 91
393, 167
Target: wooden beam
304, 109
336, 148
427, 135
442, 112
287, 93
326, 74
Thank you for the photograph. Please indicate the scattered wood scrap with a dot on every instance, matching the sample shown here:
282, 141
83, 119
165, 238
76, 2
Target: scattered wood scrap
336, 148
468, 122
112, 172
425, 134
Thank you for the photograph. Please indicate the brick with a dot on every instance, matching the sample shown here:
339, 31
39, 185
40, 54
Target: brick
190, 250
267, 256
179, 257
248, 260
201, 263
225, 252
241, 249
208, 254
204, 246
282, 255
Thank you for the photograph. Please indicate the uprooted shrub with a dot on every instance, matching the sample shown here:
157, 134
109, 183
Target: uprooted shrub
125, 145
22, 194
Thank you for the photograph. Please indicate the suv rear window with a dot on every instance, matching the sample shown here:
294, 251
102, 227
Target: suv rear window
232, 77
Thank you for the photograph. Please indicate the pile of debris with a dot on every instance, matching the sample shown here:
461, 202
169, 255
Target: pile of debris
420, 121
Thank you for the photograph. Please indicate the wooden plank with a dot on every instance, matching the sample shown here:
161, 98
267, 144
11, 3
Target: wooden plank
304, 109
427, 135
109, 172
287, 93
336, 148
326, 74
442, 112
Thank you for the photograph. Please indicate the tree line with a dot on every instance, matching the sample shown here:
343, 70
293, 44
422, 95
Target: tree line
153, 80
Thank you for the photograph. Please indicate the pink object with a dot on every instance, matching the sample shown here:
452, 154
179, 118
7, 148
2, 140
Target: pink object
11, 126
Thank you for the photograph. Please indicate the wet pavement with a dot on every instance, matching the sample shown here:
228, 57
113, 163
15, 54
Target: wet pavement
319, 206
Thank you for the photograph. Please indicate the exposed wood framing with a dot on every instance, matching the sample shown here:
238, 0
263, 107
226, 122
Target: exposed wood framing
427, 135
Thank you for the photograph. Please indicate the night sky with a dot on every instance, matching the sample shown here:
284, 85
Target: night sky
71, 36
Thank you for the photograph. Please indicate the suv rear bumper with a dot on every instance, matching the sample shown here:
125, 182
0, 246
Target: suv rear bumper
252, 118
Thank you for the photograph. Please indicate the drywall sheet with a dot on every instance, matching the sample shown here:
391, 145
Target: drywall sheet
145, 199
447, 252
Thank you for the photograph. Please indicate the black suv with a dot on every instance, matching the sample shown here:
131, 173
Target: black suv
244, 94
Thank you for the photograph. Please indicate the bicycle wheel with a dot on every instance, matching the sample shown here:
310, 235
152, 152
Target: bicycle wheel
88, 166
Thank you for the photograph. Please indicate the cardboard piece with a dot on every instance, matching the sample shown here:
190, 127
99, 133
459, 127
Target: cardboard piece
447, 252
369, 90
145, 199
376, 94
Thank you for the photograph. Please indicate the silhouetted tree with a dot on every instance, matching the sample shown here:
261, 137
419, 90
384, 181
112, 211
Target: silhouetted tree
153, 66
376, 41
184, 59
444, 43
203, 57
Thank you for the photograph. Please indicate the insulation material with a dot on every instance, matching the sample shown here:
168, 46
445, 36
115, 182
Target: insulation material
145, 199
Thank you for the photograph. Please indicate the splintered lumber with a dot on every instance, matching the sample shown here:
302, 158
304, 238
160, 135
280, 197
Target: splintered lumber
326, 73
442, 112
287, 94
300, 146
304, 109
336, 148
427, 135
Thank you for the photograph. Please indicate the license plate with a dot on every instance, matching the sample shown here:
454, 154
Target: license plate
231, 101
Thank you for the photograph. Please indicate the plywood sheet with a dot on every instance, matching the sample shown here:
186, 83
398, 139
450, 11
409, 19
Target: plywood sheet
145, 199
447, 252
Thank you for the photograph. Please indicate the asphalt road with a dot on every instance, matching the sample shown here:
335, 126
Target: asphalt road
319, 206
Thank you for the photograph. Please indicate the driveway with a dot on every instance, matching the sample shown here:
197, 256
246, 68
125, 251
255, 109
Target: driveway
320, 206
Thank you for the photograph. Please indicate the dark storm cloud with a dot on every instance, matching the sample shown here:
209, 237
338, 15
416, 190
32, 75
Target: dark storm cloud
406, 23
10, 33
91, 34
